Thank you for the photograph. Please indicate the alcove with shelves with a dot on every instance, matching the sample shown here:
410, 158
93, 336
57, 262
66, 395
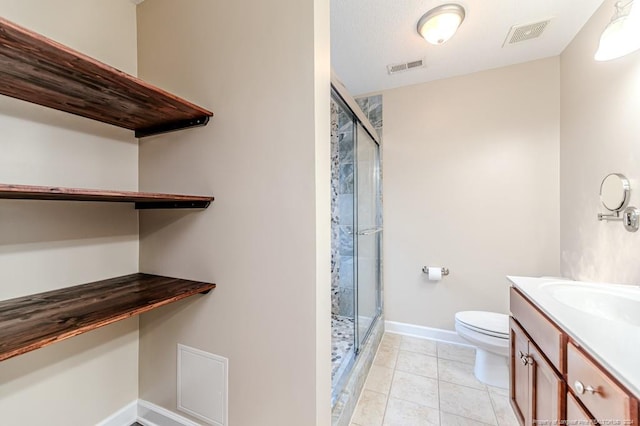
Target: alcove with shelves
38, 70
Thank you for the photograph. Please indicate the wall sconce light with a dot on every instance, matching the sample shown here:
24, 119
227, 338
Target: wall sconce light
622, 34
440, 23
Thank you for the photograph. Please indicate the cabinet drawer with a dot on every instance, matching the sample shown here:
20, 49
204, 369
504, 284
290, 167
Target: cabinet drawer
607, 401
547, 336
576, 414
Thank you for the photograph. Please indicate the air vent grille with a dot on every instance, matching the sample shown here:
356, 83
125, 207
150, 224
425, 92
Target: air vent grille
405, 66
519, 33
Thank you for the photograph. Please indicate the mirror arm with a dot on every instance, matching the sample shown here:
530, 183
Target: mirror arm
609, 217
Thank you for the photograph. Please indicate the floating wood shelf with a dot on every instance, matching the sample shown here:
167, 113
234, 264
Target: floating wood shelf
32, 322
39, 70
142, 200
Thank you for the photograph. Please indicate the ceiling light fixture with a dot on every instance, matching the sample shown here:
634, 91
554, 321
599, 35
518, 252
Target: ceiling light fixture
622, 34
440, 23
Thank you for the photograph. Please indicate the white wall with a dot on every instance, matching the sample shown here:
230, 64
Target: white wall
600, 131
470, 182
263, 68
47, 245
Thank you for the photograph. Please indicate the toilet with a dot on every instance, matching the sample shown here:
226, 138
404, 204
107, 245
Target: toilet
489, 333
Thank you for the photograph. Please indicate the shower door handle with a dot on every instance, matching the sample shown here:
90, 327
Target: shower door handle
369, 231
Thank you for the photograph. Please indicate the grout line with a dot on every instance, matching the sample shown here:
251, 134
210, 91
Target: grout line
476, 420
493, 408
386, 405
393, 375
439, 399
468, 418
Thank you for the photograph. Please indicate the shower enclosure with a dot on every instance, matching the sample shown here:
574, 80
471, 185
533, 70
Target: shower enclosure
356, 235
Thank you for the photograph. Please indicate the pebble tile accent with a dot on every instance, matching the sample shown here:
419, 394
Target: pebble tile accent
342, 339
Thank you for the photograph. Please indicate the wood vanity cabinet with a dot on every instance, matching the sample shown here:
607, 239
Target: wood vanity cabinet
554, 381
536, 389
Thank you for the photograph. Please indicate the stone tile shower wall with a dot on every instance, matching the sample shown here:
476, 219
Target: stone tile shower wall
372, 108
334, 209
342, 198
342, 167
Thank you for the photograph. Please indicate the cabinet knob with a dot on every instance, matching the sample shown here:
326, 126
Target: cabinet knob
525, 358
581, 389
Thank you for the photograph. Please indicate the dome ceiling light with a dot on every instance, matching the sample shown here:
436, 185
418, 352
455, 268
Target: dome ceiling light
622, 34
441, 23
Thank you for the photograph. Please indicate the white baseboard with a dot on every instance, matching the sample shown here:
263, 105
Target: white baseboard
127, 415
424, 332
147, 414
153, 415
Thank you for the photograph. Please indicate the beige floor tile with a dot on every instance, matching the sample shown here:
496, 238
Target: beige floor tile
415, 363
370, 409
386, 356
391, 339
456, 352
459, 373
379, 379
498, 391
467, 402
448, 419
414, 344
503, 410
403, 389
404, 413
413, 388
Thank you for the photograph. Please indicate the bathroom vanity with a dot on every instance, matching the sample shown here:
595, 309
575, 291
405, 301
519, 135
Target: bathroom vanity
574, 352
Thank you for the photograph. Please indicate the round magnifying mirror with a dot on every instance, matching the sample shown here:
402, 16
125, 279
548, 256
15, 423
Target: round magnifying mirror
614, 192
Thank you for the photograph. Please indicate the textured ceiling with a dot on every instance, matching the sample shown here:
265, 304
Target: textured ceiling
368, 35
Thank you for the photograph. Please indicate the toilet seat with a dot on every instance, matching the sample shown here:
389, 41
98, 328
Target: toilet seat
487, 323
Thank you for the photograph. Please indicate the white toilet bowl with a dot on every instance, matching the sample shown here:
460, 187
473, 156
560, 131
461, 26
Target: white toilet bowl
489, 333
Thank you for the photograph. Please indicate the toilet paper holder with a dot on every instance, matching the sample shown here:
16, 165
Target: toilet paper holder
425, 270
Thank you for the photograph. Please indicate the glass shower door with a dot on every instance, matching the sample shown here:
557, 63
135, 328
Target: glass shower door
369, 228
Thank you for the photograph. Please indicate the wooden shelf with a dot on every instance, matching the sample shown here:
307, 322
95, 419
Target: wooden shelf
142, 200
39, 70
32, 322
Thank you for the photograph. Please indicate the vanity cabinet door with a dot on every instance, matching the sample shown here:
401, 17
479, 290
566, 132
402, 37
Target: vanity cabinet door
548, 398
537, 392
519, 374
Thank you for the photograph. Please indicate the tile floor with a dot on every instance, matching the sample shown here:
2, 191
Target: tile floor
416, 382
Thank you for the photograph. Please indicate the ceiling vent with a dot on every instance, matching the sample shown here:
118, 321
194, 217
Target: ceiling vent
519, 33
405, 66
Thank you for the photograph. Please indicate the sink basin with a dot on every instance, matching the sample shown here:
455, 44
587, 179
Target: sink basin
611, 302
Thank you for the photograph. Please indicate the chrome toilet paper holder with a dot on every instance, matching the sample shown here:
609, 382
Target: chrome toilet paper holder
425, 270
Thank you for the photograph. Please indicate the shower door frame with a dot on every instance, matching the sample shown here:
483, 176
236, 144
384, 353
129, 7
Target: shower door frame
359, 119
357, 233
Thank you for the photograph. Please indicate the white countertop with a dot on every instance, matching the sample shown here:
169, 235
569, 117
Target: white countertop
614, 343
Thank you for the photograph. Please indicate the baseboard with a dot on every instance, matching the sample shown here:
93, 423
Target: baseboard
126, 416
147, 414
153, 415
424, 332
